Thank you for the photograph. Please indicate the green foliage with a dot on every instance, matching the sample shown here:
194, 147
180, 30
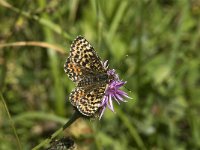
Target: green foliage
153, 45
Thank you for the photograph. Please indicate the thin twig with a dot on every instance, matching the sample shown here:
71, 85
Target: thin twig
74, 117
34, 43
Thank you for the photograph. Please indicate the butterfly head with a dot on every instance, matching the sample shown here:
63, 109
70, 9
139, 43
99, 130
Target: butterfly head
113, 76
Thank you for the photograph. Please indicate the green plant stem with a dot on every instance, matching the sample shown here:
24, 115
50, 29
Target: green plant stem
74, 117
12, 123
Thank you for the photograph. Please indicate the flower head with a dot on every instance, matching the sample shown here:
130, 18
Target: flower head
113, 92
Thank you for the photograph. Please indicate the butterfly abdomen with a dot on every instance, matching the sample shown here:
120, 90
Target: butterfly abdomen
89, 80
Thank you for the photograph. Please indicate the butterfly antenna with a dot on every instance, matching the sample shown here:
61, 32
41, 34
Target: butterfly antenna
128, 89
122, 62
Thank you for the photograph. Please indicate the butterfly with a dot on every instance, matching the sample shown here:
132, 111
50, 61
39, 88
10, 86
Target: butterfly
64, 143
85, 68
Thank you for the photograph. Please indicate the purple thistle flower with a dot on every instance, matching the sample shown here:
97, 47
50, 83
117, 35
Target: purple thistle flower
113, 92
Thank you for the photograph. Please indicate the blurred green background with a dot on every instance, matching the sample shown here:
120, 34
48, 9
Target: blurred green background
153, 45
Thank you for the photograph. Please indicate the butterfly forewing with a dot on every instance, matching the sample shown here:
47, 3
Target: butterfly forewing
76, 72
83, 54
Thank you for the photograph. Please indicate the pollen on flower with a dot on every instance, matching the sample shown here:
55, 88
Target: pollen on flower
113, 92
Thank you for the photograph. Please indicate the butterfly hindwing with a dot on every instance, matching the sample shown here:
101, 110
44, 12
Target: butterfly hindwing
88, 99
91, 101
76, 95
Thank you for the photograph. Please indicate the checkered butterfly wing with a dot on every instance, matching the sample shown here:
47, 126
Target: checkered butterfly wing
82, 63
88, 99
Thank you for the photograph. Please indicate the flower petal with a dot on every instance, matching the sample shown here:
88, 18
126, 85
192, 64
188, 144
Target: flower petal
127, 96
111, 104
120, 92
102, 111
121, 84
108, 104
105, 98
116, 99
